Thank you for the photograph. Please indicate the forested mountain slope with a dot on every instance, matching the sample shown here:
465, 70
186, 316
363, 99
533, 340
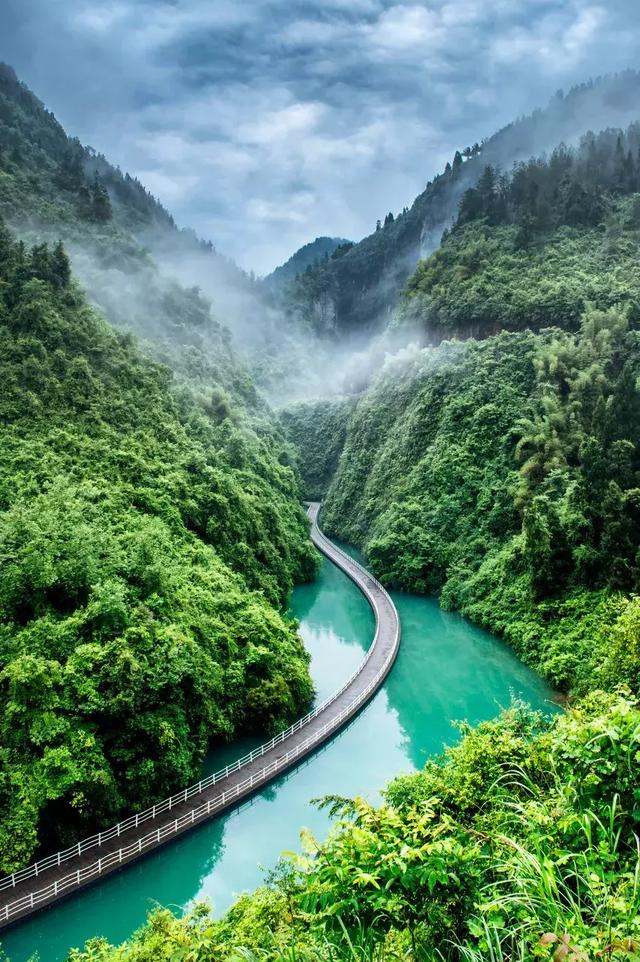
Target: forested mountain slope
144, 273
504, 473
148, 541
320, 249
519, 843
529, 250
355, 295
150, 531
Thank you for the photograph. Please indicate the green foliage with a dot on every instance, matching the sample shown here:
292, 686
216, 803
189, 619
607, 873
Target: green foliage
52, 187
480, 282
43, 171
519, 843
504, 474
359, 290
146, 542
318, 431
570, 187
533, 248
316, 252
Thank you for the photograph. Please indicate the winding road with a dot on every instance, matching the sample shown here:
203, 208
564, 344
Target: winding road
58, 876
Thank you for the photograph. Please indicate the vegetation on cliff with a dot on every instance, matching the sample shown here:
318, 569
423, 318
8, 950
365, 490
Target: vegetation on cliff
148, 540
520, 843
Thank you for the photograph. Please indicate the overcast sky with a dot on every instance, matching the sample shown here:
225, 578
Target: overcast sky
264, 123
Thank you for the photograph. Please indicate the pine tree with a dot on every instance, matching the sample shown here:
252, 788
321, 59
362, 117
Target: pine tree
40, 262
60, 266
100, 202
70, 174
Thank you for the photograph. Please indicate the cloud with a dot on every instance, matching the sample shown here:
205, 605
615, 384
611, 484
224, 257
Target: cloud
554, 40
265, 123
404, 27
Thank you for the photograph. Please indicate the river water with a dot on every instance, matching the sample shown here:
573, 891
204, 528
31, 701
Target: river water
447, 670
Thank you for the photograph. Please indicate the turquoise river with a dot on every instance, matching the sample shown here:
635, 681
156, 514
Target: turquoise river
447, 670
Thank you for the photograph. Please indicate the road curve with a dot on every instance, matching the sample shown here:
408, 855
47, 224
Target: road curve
58, 876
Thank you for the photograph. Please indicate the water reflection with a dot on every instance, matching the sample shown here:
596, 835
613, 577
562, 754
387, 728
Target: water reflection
447, 669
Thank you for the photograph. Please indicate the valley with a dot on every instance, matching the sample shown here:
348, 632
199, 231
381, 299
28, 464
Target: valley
461, 391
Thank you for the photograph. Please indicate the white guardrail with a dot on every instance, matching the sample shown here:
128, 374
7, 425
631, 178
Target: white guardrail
206, 808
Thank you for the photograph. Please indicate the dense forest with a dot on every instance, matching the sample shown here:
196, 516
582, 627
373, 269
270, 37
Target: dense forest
148, 540
173, 290
151, 530
530, 248
318, 431
502, 473
355, 295
519, 843
306, 258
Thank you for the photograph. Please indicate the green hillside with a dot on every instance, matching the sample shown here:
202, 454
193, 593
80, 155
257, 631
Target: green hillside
151, 530
148, 542
315, 252
125, 248
356, 294
530, 250
503, 472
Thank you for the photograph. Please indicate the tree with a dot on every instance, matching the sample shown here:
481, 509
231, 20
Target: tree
70, 174
60, 266
101, 210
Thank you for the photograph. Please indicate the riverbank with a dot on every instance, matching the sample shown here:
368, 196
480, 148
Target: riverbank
447, 669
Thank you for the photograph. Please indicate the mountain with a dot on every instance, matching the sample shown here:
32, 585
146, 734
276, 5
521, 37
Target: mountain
355, 295
321, 249
535, 247
173, 290
150, 520
150, 529
499, 466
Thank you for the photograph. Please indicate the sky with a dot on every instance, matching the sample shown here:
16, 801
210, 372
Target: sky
265, 123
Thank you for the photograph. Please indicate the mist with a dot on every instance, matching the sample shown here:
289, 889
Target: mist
198, 312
